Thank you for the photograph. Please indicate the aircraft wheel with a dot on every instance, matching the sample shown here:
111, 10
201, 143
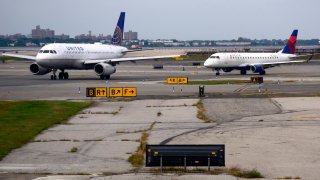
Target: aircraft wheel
60, 75
65, 75
51, 77
55, 77
262, 73
243, 72
102, 77
107, 77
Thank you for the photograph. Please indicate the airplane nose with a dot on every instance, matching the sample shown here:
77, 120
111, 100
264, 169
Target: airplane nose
207, 63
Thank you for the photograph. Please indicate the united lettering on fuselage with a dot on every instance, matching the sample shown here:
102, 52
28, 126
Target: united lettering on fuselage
74, 48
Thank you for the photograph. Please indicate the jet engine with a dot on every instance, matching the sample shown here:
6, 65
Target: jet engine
104, 69
257, 69
38, 70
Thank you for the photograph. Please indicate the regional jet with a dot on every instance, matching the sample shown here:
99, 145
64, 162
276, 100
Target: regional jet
256, 62
101, 58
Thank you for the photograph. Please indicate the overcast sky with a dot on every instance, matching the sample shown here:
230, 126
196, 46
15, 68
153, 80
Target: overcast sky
154, 19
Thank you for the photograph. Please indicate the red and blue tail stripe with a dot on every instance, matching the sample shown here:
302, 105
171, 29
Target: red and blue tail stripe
290, 48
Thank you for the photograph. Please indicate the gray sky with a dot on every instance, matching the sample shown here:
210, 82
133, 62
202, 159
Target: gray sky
153, 19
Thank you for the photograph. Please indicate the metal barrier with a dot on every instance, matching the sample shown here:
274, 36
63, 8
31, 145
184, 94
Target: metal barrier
185, 155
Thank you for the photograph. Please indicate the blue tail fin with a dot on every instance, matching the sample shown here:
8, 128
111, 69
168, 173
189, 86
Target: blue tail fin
118, 32
290, 48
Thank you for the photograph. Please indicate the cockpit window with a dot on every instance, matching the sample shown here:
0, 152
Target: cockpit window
215, 57
51, 51
46, 51
40, 51
55, 52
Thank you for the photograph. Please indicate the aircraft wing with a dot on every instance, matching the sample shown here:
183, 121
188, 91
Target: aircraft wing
129, 59
19, 56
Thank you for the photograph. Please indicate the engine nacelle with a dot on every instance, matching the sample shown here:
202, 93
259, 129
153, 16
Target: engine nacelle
257, 69
38, 70
227, 69
104, 69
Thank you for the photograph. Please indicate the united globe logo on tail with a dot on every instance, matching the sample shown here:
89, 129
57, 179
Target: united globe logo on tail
290, 48
118, 32
117, 36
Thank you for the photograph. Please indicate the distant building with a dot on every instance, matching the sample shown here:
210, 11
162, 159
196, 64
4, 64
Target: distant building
62, 37
39, 33
130, 36
16, 36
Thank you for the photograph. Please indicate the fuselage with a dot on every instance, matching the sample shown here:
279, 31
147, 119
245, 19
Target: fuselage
72, 56
235, 60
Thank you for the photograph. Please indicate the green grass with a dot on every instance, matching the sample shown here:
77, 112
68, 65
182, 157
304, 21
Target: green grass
316, 57
235, 171
73, 149
136, 159
200, 114
217, 82
21, 121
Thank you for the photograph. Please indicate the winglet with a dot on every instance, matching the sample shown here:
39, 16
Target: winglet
290, 48
118, 32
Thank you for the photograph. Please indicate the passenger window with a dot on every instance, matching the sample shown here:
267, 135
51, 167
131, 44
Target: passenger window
46, 51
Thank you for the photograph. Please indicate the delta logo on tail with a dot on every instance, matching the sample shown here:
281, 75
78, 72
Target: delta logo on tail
290, 48
118, 32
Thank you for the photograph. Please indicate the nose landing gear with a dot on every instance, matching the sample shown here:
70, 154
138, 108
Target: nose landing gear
218, 71
54, 76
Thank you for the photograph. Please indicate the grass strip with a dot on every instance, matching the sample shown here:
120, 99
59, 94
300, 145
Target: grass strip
21, 121
200, 114
217, 82
233, 171
137, 158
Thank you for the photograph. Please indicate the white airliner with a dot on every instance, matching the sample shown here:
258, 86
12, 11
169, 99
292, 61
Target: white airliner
257, 62
100, 57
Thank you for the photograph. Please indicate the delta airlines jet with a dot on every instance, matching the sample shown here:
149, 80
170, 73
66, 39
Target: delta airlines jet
100, 57
256, 62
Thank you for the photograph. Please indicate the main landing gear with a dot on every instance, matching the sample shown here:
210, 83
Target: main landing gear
262, 73
106, 77
243, 72
62, 75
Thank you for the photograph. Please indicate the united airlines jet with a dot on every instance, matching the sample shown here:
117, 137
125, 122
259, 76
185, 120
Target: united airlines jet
99, 57
256, 62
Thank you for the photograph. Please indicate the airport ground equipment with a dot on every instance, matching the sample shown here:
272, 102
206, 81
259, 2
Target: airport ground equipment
185, 155
201, 91
256, 80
